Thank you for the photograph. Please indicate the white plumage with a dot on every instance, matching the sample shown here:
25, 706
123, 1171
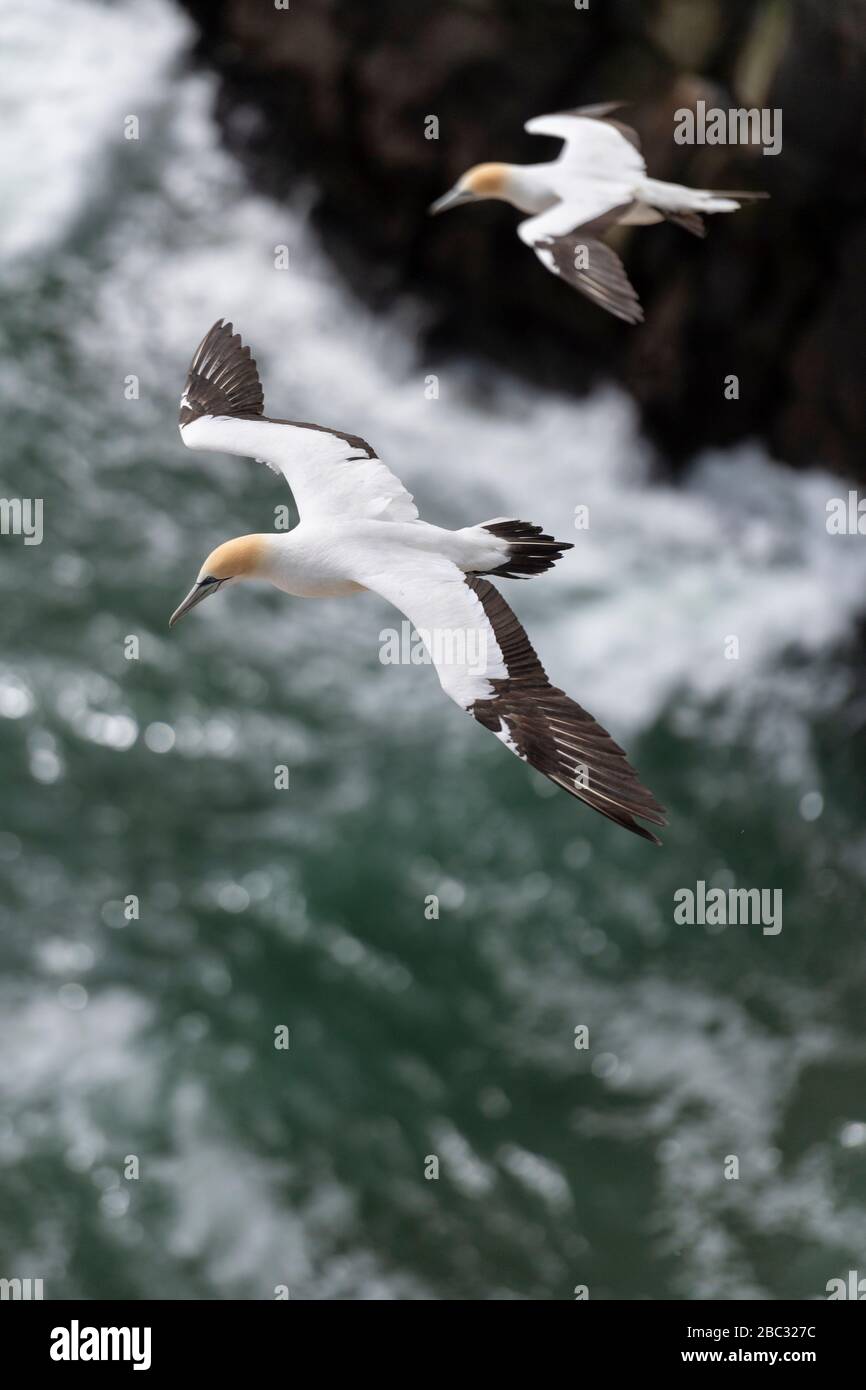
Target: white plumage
306, 456
598, 180
359, 529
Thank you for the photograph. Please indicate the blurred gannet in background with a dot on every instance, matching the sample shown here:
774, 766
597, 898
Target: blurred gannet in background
598, 180
359, 529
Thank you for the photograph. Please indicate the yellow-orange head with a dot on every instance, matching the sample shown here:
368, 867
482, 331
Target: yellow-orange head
240, 558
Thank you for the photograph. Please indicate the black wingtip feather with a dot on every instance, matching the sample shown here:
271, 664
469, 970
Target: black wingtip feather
554, 734
598, 273
222, 378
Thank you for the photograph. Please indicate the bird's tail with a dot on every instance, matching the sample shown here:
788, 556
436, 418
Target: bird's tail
675, 198
522, 549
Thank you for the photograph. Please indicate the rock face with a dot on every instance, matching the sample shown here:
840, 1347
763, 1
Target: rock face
342, 91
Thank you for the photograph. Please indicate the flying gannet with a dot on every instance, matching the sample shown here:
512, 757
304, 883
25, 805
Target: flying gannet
359, 529
598, 180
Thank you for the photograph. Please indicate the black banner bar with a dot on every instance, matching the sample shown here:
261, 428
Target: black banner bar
160, 1338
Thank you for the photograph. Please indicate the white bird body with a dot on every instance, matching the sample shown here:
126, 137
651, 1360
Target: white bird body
327, 558
530, 188
359, 530
598, 180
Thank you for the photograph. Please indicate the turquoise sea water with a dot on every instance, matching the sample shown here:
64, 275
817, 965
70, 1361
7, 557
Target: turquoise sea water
411, 1039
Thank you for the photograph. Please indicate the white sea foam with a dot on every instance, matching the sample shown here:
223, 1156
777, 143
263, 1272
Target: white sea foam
642, 608
634, 618
639, 611
71, 74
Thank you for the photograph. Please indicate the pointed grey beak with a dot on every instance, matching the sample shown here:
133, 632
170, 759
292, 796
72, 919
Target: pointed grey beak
199, 591
452, 199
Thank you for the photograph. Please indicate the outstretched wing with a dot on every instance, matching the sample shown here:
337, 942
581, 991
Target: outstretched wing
577, 255
594, 145
330, 473
485, 662
222, 379
597, 168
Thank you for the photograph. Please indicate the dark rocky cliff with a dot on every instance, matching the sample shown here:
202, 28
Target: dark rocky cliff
339, 90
